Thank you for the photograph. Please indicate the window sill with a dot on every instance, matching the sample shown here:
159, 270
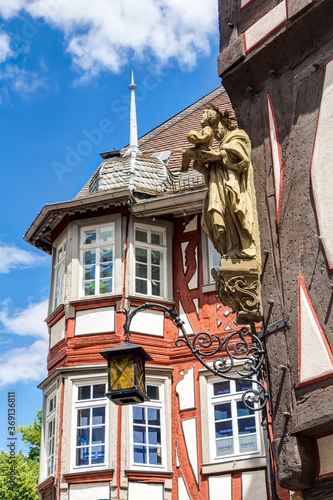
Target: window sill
236, 464
149, 298
209, 288
89, 476
148, 476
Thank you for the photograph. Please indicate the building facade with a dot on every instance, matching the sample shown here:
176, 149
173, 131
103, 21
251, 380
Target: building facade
133, 235
276, 64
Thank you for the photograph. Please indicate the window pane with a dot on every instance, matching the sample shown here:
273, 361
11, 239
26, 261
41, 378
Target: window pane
98, 435
105, 286
106, 234
98, 416
139, 434
82, 436
98, 391
222, 411
89, 273
156, 288
82, 456
156, 273
248, 444
155, 456
84, 392
141, 270
106, 270
106, 254
138, 415
243, 386
89, 288
83, 417
97, 454
156, 257
153, 416
242, 411
141, 255
141, 286
224, 447
223, 429
157, 238
140, 454
247, 425
141, 235
153, 392
154, 435
221, 388
89, 237
89, 257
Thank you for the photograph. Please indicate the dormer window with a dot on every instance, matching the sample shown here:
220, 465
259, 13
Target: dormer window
59, 273
97, 260
163, 156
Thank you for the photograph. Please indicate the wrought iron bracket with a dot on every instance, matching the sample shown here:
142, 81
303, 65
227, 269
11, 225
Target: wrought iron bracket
240, 354
274, 327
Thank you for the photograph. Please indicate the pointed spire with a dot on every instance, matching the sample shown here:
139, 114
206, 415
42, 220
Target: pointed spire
133, 141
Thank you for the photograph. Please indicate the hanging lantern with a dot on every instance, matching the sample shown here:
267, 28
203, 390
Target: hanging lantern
126, 374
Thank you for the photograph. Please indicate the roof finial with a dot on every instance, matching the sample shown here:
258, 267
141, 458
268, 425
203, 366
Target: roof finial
133, 142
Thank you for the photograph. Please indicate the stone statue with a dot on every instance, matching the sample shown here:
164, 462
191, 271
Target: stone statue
229, 215
203, 141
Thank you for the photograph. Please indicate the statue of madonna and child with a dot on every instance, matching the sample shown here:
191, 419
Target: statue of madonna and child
229, 215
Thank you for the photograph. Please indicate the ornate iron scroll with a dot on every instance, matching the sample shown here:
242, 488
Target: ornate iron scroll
242, 360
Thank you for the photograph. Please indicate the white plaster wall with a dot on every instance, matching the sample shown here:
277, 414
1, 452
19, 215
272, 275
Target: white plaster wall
254, 485
268, 23
89, 491
184, 318
192, 225
325, 447
185, 391
312, 343
143, 491
276, 153
189, 427
182, 490
321, 167
217, 484
57, 331
149, 322
99, 320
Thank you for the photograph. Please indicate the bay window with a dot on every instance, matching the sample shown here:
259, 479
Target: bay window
97, 260
50, 433
148, 430
90, 425
59, 273
234, 429
150, 261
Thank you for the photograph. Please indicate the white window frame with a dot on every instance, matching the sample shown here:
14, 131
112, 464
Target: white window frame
150, 246
50, 440
161, 406
213, 255
233, 397
97, 246
88, 404
59, 266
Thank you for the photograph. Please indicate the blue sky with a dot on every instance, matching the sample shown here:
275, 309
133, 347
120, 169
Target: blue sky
65, 66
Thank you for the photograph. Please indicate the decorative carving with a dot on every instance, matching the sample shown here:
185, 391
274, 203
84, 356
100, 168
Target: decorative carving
229, 214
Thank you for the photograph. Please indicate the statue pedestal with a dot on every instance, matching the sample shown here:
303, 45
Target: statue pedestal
238, 286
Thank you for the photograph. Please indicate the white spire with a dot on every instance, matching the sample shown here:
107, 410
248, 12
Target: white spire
133, 141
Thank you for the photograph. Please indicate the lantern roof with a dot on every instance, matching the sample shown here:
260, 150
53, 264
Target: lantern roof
125, 348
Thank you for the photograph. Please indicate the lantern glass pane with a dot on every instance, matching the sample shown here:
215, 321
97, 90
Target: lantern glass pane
122, 372
141, 373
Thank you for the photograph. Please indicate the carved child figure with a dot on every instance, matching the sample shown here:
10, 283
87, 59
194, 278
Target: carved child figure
203, 141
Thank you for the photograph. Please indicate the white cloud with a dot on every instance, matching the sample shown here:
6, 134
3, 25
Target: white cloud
22, 81
24, 364
29, 321
12, 257
5, 50
105, 35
